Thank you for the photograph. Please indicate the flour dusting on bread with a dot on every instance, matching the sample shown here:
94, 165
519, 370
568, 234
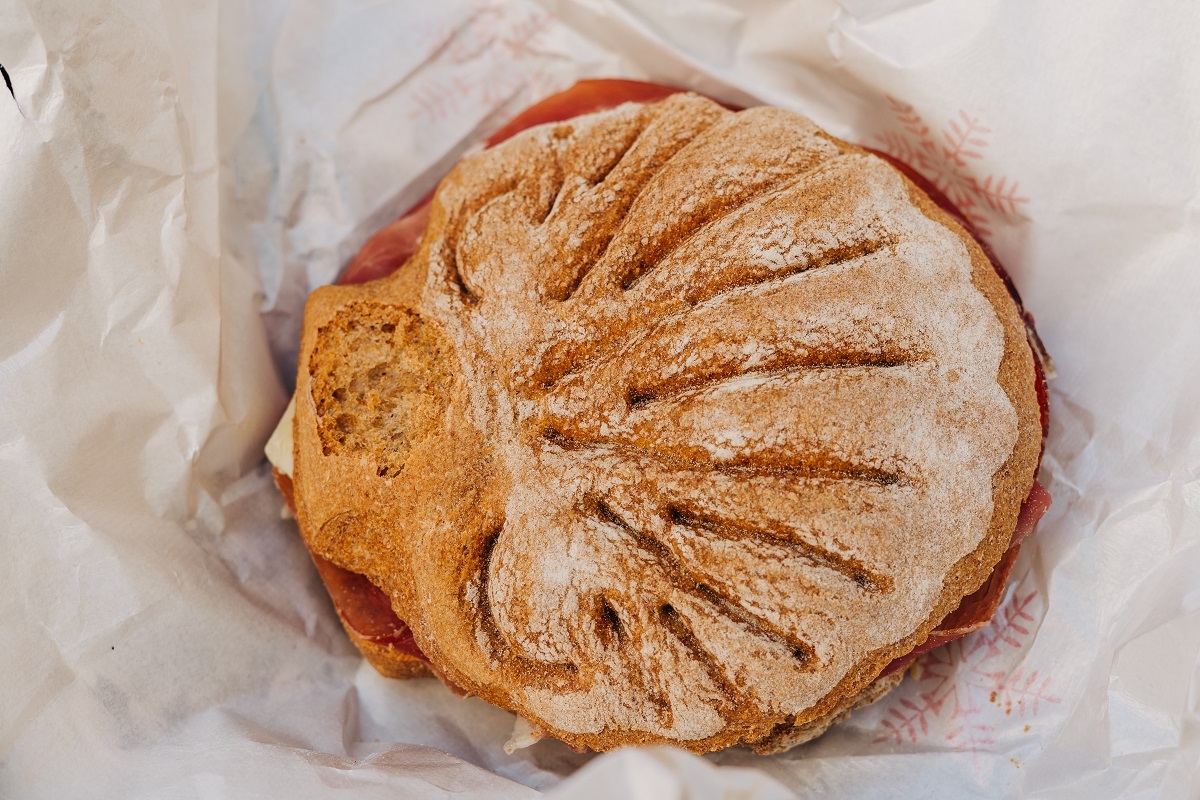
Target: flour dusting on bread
712, 416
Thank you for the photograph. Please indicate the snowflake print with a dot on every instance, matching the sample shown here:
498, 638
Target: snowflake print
964, 688
484, 59
1006, 628
436, 100
948, 158
1024, 693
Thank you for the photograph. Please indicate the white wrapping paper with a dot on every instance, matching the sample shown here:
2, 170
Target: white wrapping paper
174, 180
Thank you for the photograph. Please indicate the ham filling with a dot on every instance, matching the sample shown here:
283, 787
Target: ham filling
365, 608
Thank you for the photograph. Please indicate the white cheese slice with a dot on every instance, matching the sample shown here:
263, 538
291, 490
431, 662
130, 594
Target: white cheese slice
523, 735
279, 447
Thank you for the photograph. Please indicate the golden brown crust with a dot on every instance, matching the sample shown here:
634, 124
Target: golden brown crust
388, 661
714, 416
789, 734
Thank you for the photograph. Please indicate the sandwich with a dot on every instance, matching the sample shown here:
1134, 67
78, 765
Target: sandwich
665, 422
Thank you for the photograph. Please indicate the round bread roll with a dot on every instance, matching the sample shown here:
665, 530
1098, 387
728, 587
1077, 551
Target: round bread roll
679, 426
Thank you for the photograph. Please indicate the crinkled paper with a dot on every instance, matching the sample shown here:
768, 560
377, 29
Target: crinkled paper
176, 177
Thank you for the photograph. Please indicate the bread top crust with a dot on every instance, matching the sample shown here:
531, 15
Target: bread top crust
680, 425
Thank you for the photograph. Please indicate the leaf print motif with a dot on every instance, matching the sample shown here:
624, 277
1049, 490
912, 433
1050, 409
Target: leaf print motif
952, 165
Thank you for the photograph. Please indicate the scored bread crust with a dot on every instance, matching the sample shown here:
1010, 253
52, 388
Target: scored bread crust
680, 425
